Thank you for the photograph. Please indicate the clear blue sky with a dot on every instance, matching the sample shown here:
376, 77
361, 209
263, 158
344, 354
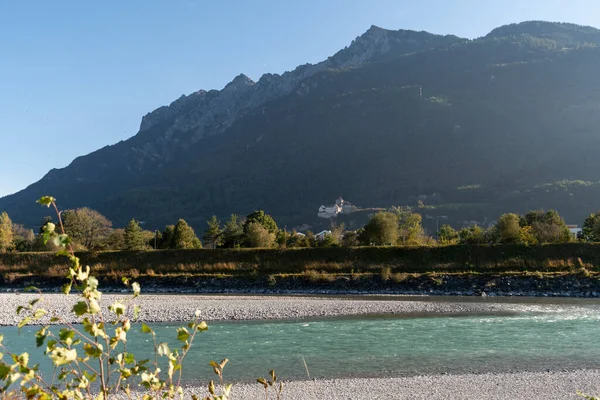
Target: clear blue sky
78, 75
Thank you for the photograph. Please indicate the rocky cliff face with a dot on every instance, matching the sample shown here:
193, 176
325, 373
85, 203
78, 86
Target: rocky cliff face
203, 114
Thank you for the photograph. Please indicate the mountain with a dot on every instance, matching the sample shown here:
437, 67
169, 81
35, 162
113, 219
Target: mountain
472, 128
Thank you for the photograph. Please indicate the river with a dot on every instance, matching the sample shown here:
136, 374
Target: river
548, 334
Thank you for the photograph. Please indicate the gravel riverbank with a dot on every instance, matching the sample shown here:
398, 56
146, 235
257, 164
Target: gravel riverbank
504, 386
166, 308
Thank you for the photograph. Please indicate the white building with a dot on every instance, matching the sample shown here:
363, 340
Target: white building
574, 230
321, 235
329, 211
340, 207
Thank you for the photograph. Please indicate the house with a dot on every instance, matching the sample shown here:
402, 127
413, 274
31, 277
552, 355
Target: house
341, 206
321, 235
329, 211
574, 230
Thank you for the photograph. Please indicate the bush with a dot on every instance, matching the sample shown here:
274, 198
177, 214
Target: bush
386, 274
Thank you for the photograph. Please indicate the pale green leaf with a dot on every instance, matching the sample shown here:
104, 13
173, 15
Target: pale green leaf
23, 322
46, 200
80, 308
163, 349
136, 288
61, 356
39, 313
146, 329
182, 334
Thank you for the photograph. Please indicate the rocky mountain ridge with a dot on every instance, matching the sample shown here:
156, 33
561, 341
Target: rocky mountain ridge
393, 116
206, 113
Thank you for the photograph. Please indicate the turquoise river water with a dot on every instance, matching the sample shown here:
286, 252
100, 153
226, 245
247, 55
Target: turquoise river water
536, 337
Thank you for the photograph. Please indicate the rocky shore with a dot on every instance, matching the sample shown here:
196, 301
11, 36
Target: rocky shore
578, 285
502, 386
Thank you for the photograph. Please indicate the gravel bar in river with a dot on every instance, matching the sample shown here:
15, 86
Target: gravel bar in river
167, 307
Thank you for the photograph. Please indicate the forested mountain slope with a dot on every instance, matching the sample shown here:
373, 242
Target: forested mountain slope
471, 127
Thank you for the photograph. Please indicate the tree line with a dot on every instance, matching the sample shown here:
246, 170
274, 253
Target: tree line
90, 230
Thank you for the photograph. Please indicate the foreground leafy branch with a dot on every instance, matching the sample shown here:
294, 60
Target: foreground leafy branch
90, 360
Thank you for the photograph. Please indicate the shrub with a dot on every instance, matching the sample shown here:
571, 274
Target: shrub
400, 277
386, 273
258, 236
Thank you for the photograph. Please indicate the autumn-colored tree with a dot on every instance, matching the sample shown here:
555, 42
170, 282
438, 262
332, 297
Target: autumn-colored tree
23, 238
258, 236
447, 235
547, 226
6, 233
474, 234
86, 227
115, 240
381, 230
410, 231
508, 228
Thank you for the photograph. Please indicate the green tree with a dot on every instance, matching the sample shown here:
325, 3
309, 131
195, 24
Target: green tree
474, 234
263, 219
258, 236
547, 227
150, 238
184, 237
115, 240
295, 239
526, 236
590, 231
350, 239
337, 234
157, 239
86, 227
134, 236
329, 240
23, 239
6, 233
410, 231
309, 240
213, 235
447, 235
381, 230
283, 239
509, 228
167, 237
233, 232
